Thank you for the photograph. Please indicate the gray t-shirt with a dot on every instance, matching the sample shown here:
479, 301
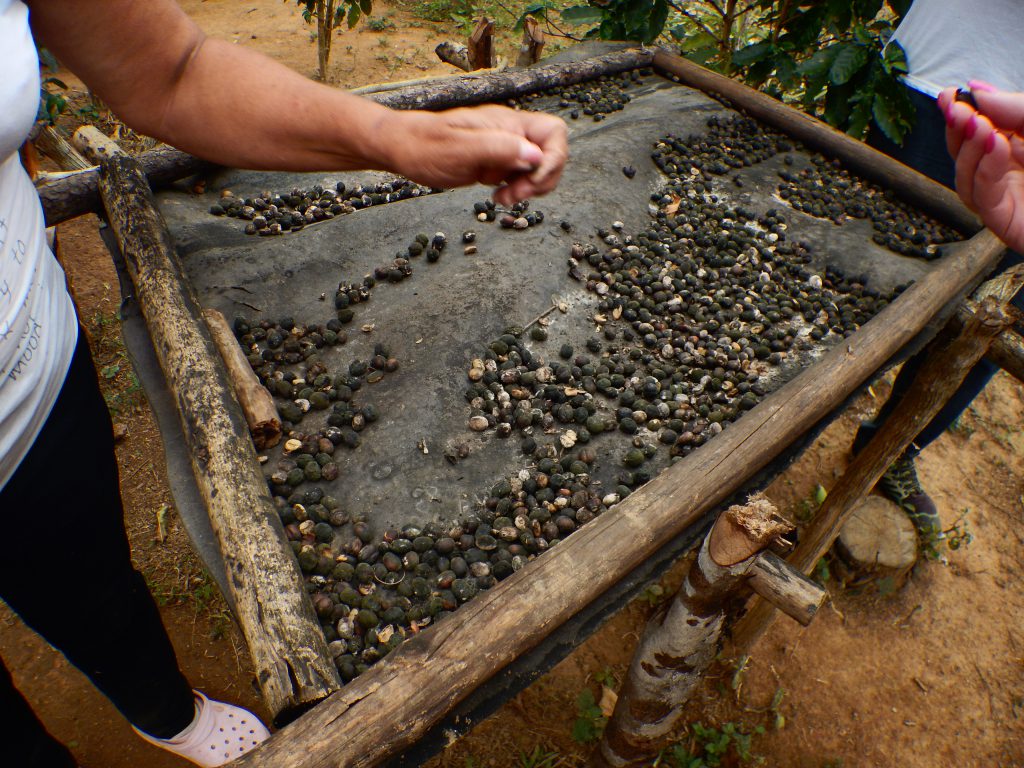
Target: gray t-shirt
949, 42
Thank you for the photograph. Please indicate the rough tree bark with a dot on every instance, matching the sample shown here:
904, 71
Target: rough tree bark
290, 656
257, 403
681, 641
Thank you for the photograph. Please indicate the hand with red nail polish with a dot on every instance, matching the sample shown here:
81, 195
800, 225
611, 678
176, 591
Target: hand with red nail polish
988, 147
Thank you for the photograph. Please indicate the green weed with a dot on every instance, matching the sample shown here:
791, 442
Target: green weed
540, 758
590, 721
711, 747
379, 23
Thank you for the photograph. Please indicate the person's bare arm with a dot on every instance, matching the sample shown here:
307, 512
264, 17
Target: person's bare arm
161, 75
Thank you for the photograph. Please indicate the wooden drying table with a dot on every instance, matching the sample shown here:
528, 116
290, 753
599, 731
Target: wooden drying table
448, 675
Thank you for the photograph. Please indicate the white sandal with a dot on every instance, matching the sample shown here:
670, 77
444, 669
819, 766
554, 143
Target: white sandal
219, 734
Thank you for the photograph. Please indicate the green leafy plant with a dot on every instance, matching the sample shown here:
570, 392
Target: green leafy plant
379, 24
459, 11
540, 758
329, 14
590, 720
641, 20
52, 103
822, 571
834, 59
710, 747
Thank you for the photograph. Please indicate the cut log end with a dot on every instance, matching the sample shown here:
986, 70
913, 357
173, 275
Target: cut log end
878, 539
743, 530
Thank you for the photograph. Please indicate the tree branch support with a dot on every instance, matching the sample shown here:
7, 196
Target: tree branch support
681, 641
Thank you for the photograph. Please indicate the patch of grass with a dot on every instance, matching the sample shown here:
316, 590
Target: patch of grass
807, 507
711, 747
590, 720
443, 10
540, 758
121, 387
379, 23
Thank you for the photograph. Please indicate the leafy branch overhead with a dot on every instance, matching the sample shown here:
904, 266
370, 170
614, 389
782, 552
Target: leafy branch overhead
833, 58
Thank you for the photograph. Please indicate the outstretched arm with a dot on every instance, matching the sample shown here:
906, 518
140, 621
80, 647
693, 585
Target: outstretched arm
157, 70
988, 146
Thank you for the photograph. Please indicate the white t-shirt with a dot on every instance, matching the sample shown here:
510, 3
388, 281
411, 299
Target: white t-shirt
38, 329
949, 42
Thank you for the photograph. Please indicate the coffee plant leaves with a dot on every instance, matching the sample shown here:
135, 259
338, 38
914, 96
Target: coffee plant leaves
656, 23
894, 59
581, 14
837, 104
859, 118
804, 29
538, 9
819, 65
353, 15
866, 9
840, 14
892, 110
848, 61
752, 53
641, 20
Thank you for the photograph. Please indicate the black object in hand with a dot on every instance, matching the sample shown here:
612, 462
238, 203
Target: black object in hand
964, 95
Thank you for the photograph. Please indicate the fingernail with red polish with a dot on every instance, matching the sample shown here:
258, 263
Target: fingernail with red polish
981, 85
948, 113
990, 142
971, 128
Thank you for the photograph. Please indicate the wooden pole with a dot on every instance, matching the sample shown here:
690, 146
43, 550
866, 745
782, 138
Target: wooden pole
257, 403
917, 189
480, 49
75, 195
1007, 351
681, 641
785, 587
426, 677
454, 53
949, 361
52, 144
532, 45
293, 666
92, 142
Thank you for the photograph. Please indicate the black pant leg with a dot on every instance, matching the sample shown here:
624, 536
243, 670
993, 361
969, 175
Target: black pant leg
79, 591
26, 742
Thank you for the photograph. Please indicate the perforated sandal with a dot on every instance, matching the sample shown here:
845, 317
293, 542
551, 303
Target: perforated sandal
219, 734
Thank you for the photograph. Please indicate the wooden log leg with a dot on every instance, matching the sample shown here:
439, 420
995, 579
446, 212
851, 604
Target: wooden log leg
948, 363
480, 50
52, 144
454, 53
289, 653
681, 641
532, 45
1007, 351
257, 403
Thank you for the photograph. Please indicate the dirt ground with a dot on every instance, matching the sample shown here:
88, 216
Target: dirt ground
929, 675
